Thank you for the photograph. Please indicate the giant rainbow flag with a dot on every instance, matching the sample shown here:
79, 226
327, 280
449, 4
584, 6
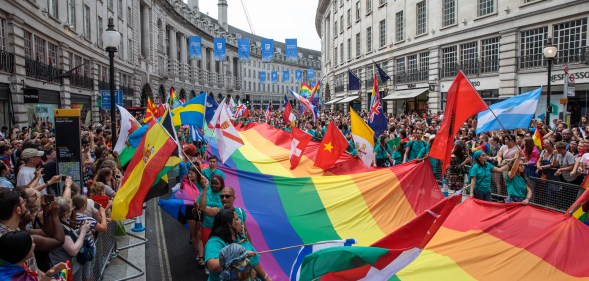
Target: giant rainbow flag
480, 240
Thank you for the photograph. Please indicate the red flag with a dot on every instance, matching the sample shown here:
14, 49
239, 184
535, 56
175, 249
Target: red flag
288, 115
299, 141
462, 102
331, 147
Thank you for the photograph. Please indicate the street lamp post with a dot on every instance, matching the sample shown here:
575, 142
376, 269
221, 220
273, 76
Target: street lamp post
549, 54
111, 40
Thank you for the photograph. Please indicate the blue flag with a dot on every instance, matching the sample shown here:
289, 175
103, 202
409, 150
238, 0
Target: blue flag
220, 49
298, 75
262, 76
274, 75
353, 81
195, 47
376, 119
211, 107
310, 74
196, 134
513, 113
267, 49
384, 77
292, 53
243, 49
286, 76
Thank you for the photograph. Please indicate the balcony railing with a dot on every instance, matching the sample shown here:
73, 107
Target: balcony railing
42, 71
470, 68
81, 81
6, 61
411, 77
127, 91
237, 83
563, 57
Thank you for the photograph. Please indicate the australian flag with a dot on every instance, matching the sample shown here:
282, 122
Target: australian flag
376, 119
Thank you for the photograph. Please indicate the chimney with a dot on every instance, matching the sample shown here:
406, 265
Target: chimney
222, 15
193, 5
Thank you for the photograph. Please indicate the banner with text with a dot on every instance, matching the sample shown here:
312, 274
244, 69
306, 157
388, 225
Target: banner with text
292, 53
262, 76
298, 75
274, 76
310, 74
286, 76
195, 47
220, 49
267, 50
243, 49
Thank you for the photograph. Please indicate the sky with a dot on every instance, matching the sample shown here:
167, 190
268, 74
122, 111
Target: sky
273, 19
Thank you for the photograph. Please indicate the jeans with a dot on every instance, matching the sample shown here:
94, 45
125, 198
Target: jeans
511, 199
482, 196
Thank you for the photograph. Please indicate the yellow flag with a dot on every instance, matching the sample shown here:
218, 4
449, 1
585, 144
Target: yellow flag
363, 137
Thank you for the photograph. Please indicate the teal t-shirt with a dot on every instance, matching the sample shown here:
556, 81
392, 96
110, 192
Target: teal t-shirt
381, 152
397, 157
352, 148
424, 151
415, 146
209, 174
214, 247
213, 201
516, 186
482, 176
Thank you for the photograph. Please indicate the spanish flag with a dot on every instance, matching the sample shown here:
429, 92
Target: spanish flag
151, 156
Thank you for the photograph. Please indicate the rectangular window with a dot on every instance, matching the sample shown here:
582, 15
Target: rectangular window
2, 35
52, 8
86, 16
421, 17
335, 29
449, 56
412, 65
120, 8
130, 50
349, 17
490, 55
110, 4
369, 39
99, 32
52, 50
571, 39
400, 29
424, 66
400, 66
382, 33
532, 46
349, 49
358, 11
448, 12
71, 12
341, 53
87, 66
129, 15
341, 24
382, 2
358, 44
335, 56
469, 57
40, 49
486, 7
368, 6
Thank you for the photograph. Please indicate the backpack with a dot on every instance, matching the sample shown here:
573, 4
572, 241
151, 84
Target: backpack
86, 253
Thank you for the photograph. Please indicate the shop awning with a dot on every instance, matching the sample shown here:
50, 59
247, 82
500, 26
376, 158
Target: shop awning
405, 94
348, 99
333, 101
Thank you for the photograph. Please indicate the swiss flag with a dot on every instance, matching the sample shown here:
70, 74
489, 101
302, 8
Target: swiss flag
331, 148
299, 141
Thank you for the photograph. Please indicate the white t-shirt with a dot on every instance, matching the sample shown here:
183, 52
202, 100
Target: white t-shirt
564, 161
26, 175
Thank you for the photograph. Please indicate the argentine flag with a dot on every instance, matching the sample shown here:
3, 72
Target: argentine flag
513, 113
295, 271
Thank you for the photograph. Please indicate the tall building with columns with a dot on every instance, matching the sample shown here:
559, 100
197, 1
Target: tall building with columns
422, 45
51, 56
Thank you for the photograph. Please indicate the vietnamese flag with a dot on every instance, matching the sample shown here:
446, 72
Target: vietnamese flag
462, 102
331, 147
299, 141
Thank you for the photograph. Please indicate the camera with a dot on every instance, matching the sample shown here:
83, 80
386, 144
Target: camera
63, 177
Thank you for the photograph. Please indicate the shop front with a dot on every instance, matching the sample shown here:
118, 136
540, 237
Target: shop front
40, 104
5, 105
408, 100
351, 101
487, 87
84, 103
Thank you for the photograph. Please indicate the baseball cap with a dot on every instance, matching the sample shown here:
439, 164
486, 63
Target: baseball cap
31, 152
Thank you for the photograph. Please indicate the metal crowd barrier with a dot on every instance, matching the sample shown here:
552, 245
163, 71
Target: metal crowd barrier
105, 246
549, 193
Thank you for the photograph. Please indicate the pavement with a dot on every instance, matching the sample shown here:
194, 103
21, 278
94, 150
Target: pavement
167, 255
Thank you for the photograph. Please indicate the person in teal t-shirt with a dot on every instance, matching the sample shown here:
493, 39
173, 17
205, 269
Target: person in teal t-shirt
212, 169
517, 187
382, 153
351, 146
480, 176
209, 203
413, 147
227, 230
398, 154
424, 152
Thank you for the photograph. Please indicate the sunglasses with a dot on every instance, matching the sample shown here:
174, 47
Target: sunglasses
225, 196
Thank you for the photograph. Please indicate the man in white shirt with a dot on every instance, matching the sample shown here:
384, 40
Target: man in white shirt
26, 174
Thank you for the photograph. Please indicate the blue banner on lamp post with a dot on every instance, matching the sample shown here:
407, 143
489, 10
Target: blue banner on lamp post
274, 76
286, 76
298, 75
220, 49
310, 74
195, 47
262, 76
267, 50
243, 49
292, 53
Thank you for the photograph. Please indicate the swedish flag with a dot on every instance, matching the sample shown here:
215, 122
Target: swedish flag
190, 113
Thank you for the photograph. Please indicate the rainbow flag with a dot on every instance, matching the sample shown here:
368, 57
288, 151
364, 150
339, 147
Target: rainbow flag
537, 138
306, 90
479, 240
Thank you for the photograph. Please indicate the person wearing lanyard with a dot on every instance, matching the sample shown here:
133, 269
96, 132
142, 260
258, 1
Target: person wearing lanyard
480, 176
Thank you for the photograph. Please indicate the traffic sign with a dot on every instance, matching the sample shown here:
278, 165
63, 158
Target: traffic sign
106, 98
569, 85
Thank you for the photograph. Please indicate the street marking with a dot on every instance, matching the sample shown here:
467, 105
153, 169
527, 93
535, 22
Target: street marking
161, 243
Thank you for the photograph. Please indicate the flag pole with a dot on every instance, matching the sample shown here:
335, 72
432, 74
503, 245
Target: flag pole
301, 245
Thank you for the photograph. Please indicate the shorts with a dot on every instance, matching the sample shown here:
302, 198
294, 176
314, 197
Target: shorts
482, 196
204, 235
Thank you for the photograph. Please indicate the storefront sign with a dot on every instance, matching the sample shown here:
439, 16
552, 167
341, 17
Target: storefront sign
106, 98
475, 83
576, 75
68, 148
31, 95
